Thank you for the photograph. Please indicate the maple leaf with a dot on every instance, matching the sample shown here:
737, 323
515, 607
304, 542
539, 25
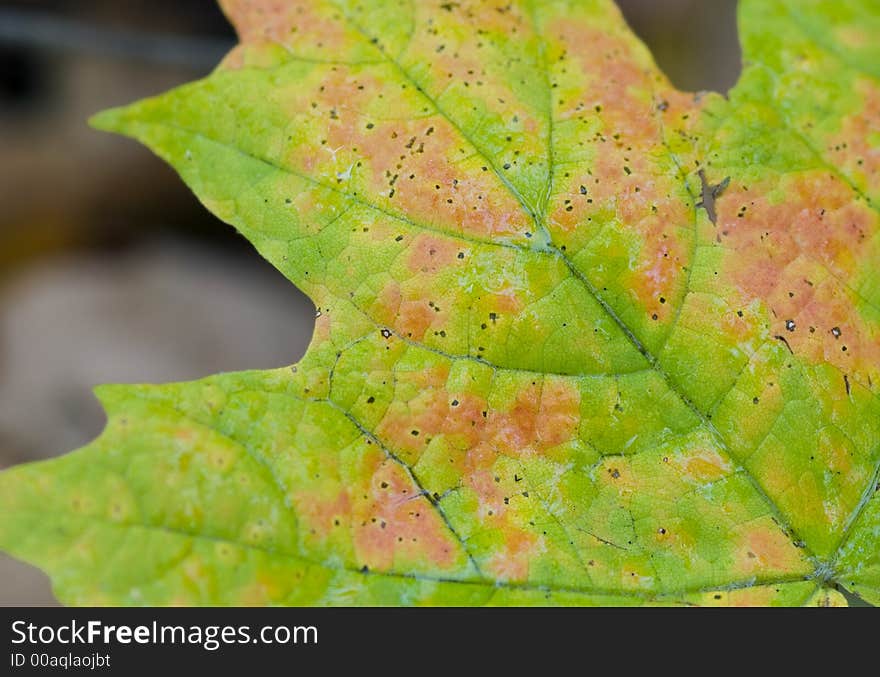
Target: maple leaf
582, 338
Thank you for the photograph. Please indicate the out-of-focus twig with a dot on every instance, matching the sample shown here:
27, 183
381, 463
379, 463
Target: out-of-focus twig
48, 31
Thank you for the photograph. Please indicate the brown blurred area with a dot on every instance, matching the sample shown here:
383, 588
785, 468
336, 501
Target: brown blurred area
110, 270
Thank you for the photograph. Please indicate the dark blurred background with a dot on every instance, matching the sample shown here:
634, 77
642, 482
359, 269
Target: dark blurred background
110, 270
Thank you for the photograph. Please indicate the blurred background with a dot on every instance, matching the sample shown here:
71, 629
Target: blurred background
110, 270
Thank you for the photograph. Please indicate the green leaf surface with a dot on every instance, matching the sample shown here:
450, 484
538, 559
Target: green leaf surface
582, 338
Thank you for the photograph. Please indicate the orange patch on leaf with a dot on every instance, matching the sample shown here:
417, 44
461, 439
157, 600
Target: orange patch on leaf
410, 312
704, 465
318, 513
852, 149
323, 326
638, 109
387, 304
430, 254
763, 547
287, 23
796, 256
540, 417
507, 300
479, 476
511, 563
559, 414
409, 426
411, 162
396, 527
414, 318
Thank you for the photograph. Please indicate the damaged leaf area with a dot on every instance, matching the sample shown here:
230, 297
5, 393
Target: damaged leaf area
582, 338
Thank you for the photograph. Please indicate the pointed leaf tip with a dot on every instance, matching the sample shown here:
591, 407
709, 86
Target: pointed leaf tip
109, 120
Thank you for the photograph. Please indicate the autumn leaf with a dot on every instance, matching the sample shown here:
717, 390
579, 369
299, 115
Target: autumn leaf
582, 338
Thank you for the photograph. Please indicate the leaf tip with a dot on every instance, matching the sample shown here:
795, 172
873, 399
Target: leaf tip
110, 395
110, 120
